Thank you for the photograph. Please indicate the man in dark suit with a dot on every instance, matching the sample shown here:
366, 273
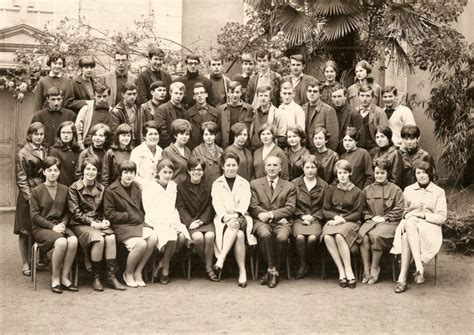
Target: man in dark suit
299, 80
273, 202
152, 74
170, 111
346, 115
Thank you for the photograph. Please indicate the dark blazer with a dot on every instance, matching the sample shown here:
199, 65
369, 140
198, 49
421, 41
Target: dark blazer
68, 158
144, 81
194, 205
87, 153
180, 162
347, 117
259, 165
196, 120
165, 115
125, 213
275, 80
223, 121
51, 121
213, 162
394, 156
282, 203
81, 95
309, 202
245, 158
377, 118
85, 206
109, 79
295, 162
112, 158
45, 211
300, 90
118, 115
325, 116
348, 204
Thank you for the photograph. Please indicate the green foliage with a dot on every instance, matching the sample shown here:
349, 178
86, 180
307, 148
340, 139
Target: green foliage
458, 229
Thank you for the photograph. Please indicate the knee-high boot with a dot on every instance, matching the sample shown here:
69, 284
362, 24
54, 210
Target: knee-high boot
111, 278
96, 284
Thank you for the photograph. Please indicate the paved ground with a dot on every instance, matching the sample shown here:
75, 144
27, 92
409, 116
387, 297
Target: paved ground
309, 305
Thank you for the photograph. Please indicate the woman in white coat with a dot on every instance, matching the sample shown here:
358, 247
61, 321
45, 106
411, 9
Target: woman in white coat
148, 154
159, 202
231, 200
419, 234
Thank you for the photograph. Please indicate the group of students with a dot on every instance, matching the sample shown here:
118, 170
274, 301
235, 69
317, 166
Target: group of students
161, 176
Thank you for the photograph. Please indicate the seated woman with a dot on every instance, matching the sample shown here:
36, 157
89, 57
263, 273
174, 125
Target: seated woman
50, 219
386, 150
100, 134
29, 173
231, 199
382, 212
93, 231
412, 154
159, 202
119, 152
267, 136
310, 190
194, 205
238, 148
147, 155
295, 137
67, 151
177, 152
419, 234
343, 205
326, 157
123, 207
360, 160
209, 151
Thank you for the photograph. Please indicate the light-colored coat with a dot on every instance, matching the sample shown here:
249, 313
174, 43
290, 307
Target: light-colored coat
161, 213
146, 162
226, 201
110, 80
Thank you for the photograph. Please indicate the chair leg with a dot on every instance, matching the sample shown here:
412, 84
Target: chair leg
256, 264
252, 264
34, 251
288, 260
189, 252
394, 268
436, 270
76, 273
323, 262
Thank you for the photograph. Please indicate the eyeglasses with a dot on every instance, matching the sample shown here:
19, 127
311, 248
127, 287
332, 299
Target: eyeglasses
66, 132
193, 63
313, 91
199, 93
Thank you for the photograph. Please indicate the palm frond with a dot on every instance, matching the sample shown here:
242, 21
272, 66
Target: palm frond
339, 26
334, 7
296, 25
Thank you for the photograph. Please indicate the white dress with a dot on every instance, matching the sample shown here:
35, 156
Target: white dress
432, 202
146, 162
161, 213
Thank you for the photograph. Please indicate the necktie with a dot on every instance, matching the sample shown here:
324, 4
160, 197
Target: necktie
271, 187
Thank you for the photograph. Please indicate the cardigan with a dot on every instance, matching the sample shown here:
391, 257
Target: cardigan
45, 211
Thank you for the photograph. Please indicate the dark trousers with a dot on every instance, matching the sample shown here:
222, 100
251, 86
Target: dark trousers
273, 241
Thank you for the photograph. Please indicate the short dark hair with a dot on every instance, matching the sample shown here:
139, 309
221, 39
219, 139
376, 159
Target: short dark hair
86, 61
233, 85
237, 128
298, 58
129, 86
33, 128
101, 88
199, 85
353, 133
263, 54
155, 52
50, 161
54, 57
313, 83
195, 161
311, 159
152, 124
410, 131
267, 126
94, 160
154, 85
320, 129
54, 91
74, 146
164, 163
100, 126
229, 155
121, 51
425, 166
193, 57
127, 165
343, 165
298, 131
365, 89
123, 128
216, 58
338, 87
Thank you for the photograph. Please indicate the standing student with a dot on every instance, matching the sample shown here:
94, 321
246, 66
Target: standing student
178, 152
29, 174
248, 65
363, 76
296, 151
264, 77
153, 73
241, 136
147, 155
149, 108
265, 113
100, 135
326, 157
299, 79
219, 82
386, 150
83, 85
119, 152
330, 72
269, 148
50, 220
55, 78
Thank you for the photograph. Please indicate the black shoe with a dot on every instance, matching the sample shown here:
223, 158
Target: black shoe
301, 273
343, 282
57, 289
265, 278
218, 271
243, 285
273, 280
164, 279
352, 283
70, 288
